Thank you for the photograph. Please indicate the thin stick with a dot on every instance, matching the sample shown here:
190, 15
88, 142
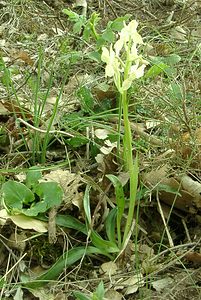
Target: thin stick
164, 222
43, 131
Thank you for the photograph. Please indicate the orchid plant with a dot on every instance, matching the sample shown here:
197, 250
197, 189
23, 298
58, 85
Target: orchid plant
124, 64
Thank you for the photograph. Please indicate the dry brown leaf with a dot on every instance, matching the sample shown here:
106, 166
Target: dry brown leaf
25, 57
108, 268
132, 284
112, 294
184, 193
153, 178
192, 187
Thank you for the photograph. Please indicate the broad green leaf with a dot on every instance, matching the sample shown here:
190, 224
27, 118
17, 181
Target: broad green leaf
15, 194
172, 59
175, 91
50, 194
155, 70
77, 141
100, 243
77, 27
68, 221
108, 36
94, 55
118, 23
67, 259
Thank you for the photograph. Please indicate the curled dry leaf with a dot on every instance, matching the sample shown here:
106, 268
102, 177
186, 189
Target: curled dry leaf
182, 192
101, 134
112, 294
161, 284
132, 284
108, 268
192, 187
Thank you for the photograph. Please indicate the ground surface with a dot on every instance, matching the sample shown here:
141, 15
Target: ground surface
42, 58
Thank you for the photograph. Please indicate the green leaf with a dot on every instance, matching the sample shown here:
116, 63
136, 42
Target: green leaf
71, 14
15, 194
81, 296
77, 27
86, 204
175, 91
77, 141
32, 177
110, 225
70, 222
102, 244
100, 42
94, 55
86, 98
79, 20
67, 259
168, 189
172, 59
108, 36
120, 199
50, 194
155, 70
118, 23
100, 292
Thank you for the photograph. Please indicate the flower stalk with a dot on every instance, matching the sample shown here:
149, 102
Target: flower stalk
125, 65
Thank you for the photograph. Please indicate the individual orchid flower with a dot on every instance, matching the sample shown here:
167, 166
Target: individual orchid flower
112, 64
112, 68
136, 72
130, 32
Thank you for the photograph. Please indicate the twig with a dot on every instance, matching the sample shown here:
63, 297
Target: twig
43, 131
110, 5
164, 222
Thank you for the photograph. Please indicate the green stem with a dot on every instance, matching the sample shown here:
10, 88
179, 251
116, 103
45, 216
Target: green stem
130, 166
96, 35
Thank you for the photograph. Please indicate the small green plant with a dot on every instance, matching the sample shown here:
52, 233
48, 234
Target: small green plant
124, 65
31, 198
97, 295
88, 29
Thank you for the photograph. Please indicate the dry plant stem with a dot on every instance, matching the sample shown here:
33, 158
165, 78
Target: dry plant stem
186, 230
8, 271
52, 233
44, 131
110, 5
164, 222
